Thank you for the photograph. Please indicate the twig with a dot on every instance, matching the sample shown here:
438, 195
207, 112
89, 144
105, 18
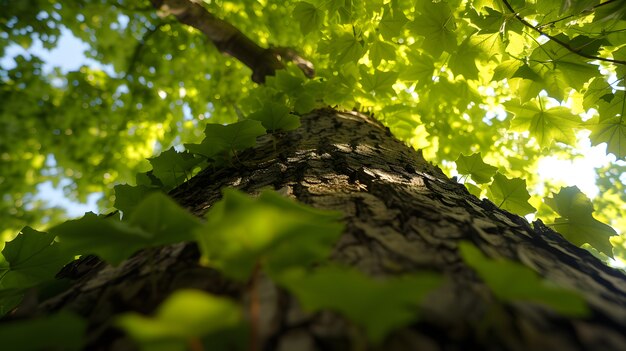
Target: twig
559, 41
592, 8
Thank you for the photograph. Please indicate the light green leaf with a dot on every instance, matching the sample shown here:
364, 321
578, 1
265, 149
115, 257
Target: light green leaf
186, 315
31, 258
474, 166
545, 124
378, 306
512, 282
240, 232
275, 116
598, 90
610, 127
473, 189
510, 194
576, 222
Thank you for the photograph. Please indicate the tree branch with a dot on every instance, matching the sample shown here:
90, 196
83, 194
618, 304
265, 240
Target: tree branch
228, 39
592, 8
557, 40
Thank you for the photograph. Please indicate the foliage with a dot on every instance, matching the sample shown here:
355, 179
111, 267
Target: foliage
440, 74
507, 81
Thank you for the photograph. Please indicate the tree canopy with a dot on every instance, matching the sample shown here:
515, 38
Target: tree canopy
486, 89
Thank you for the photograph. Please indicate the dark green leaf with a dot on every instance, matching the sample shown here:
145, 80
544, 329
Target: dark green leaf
31, 258
60, 331
379, 306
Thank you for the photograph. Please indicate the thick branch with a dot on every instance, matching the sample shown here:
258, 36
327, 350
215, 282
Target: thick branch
557, 40
230, 40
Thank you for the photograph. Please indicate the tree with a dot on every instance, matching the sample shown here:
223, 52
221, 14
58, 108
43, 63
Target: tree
432, 266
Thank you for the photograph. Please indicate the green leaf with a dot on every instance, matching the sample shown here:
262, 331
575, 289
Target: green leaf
304, 103
512, 282
545, 124
220, 139
128, 196
60, 331
474, 166
309, 17
157, 220
598, 90
344, 48
510, 194
275, 117
576, 222
278, 232
421, 68
164, 219
173, 168
380, 50
31, 258
610, 127
436, 24
473, 189
107, 238
378, 306
186, 315
561, 70
392, 23
379, 83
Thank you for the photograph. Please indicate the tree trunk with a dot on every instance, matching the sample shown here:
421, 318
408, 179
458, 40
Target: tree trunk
402, 215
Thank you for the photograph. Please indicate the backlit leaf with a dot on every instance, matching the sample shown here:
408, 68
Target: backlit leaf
545, 124
275, 117
474, 166
510, 194
185, 315
576, 221
241, 231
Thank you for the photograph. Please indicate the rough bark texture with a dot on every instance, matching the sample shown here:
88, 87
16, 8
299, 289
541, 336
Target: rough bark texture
402, 215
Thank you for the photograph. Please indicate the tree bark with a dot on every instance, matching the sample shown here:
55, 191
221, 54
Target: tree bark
402, 215
229, 40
